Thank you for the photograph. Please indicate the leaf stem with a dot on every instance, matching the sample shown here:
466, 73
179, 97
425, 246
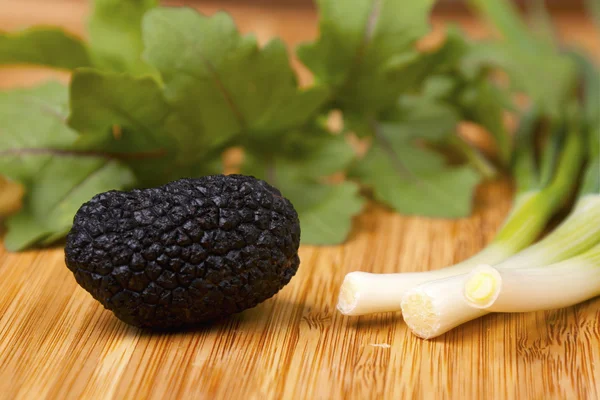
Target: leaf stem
474, 157
524, 165
389, 150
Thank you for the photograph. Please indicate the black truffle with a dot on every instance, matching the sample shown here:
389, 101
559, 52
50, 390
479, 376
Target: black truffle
188, 252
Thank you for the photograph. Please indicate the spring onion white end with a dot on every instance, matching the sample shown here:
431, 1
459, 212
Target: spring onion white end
537, 201
482, 286
436, 307
366, 293
445, 305
548, 287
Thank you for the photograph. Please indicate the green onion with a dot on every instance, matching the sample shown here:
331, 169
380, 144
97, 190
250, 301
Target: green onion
435, 307
575, 279
365, 293
539, 288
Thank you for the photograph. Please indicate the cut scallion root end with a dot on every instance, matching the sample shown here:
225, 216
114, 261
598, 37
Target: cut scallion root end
420, 314
482, 286
435, 307
348, 297
364, 293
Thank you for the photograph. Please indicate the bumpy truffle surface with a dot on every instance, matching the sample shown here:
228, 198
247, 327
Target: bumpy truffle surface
188, 252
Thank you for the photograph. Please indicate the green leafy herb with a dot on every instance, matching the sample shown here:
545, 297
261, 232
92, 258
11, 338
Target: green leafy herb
116, 37
50, 47
524, 56
469, 91
365, 48
115, 41
412, 179
302, 172
328, 219
121, 114
57, 179
220, 81
483, 101
162, 93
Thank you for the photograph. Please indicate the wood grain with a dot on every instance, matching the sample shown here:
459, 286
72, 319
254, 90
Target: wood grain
56, 342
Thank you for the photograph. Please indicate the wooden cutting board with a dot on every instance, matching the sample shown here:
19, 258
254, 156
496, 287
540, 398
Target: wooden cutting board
57, 342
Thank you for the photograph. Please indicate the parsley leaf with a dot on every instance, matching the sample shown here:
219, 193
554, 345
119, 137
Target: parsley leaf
481, 101
116, 37
409, 177
37, 160
416, 181
115, 41
329, 218
311, 156
50, 47
129, 117
365, 48
222, 83
531, 62
419, 117
121, 114
162, 93
469, 90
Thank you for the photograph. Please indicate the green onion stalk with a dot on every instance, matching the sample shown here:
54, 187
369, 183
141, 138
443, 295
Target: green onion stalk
433, 308
565, 283
436, 307
558, 285
537, 200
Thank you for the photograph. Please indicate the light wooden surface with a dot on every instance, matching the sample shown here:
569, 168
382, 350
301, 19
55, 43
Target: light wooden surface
57, 342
